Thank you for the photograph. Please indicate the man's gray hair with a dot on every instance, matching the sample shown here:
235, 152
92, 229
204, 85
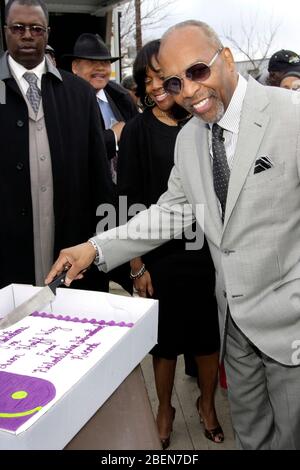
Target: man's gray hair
207, 30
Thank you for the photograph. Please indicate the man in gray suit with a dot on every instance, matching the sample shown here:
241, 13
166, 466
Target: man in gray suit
251, 200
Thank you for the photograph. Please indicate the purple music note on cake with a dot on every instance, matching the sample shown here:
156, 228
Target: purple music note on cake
21, 397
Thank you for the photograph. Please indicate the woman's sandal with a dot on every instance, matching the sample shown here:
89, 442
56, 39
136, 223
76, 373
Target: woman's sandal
165, 441
216, 434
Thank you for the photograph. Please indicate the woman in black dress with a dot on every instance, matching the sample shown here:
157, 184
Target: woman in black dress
172, 274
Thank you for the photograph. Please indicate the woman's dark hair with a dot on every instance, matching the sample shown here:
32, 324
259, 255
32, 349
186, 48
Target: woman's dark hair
34, 3
143, 61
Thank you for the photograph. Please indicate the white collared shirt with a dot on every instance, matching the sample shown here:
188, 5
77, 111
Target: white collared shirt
107, 113
18, 70
230, 122
102, 96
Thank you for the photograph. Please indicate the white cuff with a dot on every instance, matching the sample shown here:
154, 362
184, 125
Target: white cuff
99, 260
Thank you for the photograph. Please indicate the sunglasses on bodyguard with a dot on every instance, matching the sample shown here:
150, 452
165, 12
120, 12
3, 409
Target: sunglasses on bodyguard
198, 72
19, 29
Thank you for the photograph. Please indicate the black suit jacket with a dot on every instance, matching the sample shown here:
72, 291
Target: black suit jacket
81, 176
124, 109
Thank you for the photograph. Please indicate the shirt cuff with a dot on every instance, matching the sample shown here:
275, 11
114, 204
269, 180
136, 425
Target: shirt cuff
99, 260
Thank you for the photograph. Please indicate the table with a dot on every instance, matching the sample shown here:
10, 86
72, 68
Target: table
124, 422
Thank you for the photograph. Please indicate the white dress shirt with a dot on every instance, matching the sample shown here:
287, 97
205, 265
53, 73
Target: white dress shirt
109, 119
18, 71
230, 122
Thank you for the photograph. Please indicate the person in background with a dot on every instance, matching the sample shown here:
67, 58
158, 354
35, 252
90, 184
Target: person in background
53, 168
280, 63
262, 77
91, 60
146, 158
129, 84
291, 81
50, 53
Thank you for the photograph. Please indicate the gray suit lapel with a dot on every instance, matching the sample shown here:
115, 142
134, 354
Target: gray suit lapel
253, 126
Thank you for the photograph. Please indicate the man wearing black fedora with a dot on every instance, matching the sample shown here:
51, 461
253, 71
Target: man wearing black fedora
91, 60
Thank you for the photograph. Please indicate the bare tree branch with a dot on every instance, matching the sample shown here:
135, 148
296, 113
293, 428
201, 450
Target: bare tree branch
255, 40
152, 14
138, 24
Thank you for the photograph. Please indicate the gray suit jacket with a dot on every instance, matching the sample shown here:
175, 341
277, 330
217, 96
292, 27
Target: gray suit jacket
257, 251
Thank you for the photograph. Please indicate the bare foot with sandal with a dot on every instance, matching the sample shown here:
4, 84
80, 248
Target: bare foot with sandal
209, 420
164, 421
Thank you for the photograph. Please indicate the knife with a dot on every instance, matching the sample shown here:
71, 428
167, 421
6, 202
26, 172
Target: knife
36, 302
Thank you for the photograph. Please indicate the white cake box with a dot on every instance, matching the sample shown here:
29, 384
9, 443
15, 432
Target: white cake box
58, 425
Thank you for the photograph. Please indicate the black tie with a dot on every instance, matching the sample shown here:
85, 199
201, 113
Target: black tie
221, 172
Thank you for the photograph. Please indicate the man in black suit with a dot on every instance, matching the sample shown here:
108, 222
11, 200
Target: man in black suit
53, 167
92, 62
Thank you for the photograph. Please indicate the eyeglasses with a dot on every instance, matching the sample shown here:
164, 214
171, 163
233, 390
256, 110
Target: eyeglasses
198, 72
20, 29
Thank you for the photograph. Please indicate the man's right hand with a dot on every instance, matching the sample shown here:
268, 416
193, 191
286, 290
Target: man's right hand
75, 259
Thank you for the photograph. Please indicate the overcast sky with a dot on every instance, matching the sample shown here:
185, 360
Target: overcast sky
225, 14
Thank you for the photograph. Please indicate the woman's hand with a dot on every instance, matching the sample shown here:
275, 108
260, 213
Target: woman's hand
143, 285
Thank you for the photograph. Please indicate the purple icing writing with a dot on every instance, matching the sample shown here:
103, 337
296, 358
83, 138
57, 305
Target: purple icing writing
52, 330
53, 352
47, 351
59, 356
86, 352
32, 343
7, 335
51, 348
10, 361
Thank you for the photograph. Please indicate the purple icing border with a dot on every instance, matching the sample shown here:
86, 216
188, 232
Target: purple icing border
93, 321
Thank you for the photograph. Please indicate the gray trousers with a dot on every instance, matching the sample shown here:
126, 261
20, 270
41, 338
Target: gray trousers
264, 396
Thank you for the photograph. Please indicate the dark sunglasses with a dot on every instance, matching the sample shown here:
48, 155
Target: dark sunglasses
198, 72
20, 29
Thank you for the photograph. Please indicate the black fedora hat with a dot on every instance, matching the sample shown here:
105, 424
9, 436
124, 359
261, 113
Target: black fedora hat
92, 47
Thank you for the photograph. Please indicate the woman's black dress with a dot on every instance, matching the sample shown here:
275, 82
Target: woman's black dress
183, 280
